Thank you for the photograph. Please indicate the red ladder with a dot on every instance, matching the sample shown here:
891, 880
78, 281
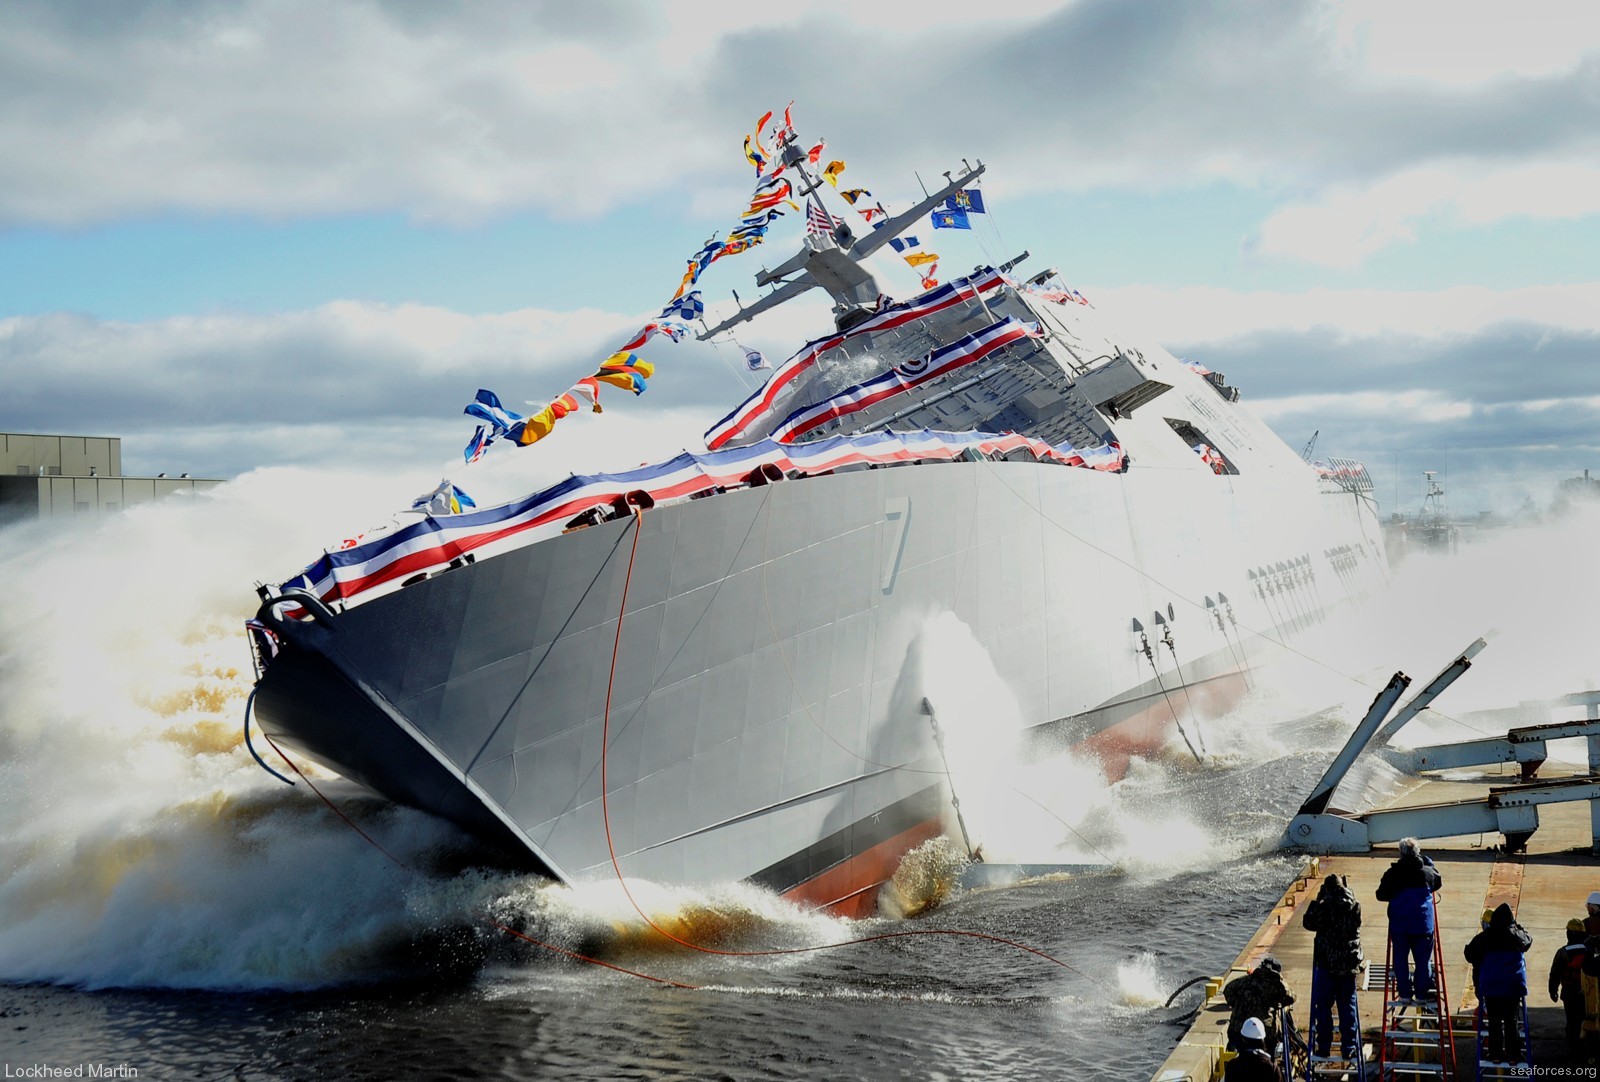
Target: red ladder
1417, 1039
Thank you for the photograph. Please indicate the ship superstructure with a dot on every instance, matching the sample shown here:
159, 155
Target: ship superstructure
712, 669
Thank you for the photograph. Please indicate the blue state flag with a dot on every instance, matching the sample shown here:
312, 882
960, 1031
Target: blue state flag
970, 201
946, 218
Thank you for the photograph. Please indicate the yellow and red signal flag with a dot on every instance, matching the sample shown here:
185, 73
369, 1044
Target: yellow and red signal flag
625, 370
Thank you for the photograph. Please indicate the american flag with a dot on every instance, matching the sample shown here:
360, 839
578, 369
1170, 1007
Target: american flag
818, 220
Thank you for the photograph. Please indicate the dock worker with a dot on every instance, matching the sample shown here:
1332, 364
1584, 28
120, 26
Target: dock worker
1254, 1063
1590, 981
1335, 916
1501, 977
1258, 994
1566, 983
1408, 885
1590, 1037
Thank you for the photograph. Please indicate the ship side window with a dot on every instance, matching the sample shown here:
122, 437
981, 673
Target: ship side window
1202, 445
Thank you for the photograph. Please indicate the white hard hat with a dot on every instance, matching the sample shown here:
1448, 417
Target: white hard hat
1594, 898
1253, 1029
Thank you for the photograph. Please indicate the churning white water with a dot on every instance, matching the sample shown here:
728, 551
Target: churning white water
1531, 590
142, 846
1027, 808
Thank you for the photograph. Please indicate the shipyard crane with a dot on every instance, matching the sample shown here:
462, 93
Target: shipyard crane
1305, 453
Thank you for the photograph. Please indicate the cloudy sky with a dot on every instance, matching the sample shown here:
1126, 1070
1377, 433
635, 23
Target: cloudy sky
281, 232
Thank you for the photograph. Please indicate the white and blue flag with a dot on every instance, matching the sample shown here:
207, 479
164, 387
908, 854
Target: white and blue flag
689, 306
486, 407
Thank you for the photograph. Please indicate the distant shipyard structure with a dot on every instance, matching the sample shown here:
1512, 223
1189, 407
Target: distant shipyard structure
54, 476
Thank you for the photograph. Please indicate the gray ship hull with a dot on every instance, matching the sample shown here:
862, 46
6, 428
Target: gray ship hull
760, 704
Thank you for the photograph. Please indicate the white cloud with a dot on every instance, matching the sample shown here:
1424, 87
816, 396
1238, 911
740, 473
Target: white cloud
1425, 407
354, 382
1348, 224
348, 380
292, 107
345, 344
1540, 190
1197, 315
1462, 42
1545, 405
286, 107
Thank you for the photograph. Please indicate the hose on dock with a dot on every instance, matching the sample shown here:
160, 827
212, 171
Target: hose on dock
1188, 1016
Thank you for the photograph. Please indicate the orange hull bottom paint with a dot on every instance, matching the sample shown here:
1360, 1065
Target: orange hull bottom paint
850, 888
1144, 734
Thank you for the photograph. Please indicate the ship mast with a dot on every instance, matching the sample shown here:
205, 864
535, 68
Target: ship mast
823, 261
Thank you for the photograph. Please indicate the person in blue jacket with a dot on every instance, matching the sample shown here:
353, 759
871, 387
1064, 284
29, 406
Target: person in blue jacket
1408, 885
1501, 977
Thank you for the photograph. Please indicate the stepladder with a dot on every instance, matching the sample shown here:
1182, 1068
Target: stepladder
1494, 1060
1416, 1039
1334, 1049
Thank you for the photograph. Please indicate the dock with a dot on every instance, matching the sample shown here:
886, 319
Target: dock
1546, 886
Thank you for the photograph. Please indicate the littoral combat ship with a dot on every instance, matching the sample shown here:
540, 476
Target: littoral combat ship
701, 671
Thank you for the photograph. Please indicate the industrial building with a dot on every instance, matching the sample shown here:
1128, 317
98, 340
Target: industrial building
51, 476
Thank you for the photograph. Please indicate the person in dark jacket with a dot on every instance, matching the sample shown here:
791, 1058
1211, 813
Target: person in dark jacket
1590, 982
1408, 885
1253, 1064
1566, 983
1335, 916
1501, 977
1258, 994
